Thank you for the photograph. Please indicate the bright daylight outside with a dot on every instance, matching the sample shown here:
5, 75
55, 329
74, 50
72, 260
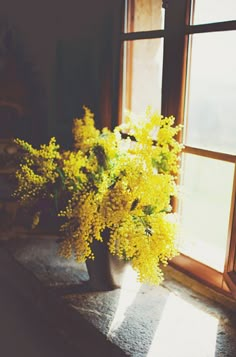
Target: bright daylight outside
206, 184
210, 124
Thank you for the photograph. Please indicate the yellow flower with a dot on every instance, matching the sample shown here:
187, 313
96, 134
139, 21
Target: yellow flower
109, 181
84, 132
38, 170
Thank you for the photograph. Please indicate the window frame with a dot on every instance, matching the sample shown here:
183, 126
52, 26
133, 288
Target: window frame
174, 83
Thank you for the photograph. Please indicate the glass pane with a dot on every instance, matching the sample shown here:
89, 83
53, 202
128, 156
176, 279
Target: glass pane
144, 15
143, 75
205, 203
208, 11
211, 113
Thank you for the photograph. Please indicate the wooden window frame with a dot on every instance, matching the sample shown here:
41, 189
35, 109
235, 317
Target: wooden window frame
174, 83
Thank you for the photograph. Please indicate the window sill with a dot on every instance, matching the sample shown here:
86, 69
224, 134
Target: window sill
134, 321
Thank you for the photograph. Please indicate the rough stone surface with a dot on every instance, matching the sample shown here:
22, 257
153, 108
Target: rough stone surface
24, 330
127, 318
137, 320
40, 256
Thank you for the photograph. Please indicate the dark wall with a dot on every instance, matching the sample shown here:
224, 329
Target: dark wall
70, 44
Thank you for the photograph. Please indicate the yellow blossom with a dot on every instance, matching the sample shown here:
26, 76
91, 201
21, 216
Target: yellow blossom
111, 182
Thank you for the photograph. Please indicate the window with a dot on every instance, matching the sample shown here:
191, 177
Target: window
143, 57
179, 56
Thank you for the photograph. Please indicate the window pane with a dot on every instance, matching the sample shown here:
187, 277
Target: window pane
144, 15
208, 11
205, 203
211, 112
143, 75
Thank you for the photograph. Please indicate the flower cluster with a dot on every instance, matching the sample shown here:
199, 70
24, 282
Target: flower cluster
38, 179
37, 171
119, 181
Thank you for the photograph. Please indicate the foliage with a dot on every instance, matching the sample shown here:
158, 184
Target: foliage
111, 181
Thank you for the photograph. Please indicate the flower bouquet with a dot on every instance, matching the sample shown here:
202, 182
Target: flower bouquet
117, 181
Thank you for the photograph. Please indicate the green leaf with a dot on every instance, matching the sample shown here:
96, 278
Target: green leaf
62, 176
148, 210
134, 204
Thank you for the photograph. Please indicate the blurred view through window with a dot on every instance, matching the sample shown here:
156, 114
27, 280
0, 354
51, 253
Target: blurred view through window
208, 178
210, 124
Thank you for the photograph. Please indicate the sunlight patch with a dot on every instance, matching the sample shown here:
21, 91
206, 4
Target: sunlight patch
128, 293
184, 330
